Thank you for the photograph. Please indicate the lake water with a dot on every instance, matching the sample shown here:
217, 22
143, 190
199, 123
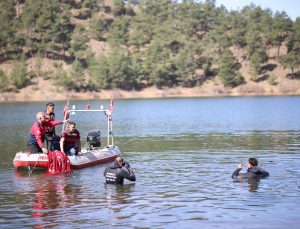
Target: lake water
183, 152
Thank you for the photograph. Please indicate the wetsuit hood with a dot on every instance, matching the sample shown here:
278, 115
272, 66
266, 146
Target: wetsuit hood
255, 170
114, 165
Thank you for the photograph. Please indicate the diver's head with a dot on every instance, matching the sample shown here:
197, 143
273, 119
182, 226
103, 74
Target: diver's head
120, 161
252, 162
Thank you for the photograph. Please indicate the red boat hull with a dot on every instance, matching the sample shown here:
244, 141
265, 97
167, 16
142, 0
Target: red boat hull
25, 160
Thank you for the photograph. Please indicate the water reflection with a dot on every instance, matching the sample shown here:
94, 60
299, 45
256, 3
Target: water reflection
252, 183
118, 195
183, 163
48, 195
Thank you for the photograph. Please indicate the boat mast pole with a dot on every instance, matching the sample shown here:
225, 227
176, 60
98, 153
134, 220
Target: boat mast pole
111, 131
108, 120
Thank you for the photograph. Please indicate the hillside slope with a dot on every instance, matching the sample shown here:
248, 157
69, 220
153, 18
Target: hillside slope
89, 49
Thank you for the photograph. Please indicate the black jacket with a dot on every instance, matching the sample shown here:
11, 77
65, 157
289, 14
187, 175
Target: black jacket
115, 175
254, 172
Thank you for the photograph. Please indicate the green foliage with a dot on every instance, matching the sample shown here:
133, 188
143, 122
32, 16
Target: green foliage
147, 42
256, 60
281, 27
61, 77
112, 71
98, 68
39, 19
38, 65
118, 33
18, 75
99, 27
118, 7
3, 81
184, 66
292, 58
63, 30
64, 80
272, 80
7, 29
228, 73
140, 33
79, 43
77, 76
238, 29
255, 67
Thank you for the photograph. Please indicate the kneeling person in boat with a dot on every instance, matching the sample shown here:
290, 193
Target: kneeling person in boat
117, 171
70, 139
253, 170
37, 133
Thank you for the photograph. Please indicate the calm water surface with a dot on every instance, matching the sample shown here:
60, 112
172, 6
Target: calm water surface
183, 152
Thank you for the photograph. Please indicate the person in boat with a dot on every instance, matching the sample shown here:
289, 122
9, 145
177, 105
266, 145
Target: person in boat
117, 171
70, 140
38, 131
51, 138
253, 170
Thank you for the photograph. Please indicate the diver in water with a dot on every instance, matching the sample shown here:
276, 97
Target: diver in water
253, 170
117, 171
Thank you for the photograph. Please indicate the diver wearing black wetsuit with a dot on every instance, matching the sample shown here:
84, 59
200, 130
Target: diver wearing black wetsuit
117, 171
253, 170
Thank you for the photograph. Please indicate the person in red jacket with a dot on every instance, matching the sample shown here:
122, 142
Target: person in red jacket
37, 133
70, 139
52, 139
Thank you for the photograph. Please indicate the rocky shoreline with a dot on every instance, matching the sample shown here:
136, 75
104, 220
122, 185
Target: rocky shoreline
54, 94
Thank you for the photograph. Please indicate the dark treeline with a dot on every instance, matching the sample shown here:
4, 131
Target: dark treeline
148, 42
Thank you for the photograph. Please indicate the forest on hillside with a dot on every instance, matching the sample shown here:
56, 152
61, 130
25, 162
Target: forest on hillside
147, 42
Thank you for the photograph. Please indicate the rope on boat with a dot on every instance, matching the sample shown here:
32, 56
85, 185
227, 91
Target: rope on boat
31, 170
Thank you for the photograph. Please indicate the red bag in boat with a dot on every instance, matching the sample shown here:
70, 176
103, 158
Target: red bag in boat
58, 162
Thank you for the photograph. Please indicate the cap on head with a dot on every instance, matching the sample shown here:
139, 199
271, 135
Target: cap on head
50, 104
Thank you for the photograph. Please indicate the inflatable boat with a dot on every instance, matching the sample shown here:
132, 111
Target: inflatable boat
91, 154
25, 160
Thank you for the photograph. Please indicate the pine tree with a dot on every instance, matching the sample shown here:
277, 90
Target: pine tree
292, 58
228, 73
79, 43
7, 29
281, 27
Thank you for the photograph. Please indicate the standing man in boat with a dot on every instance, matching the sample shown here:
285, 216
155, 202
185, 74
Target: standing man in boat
51, 138
37, 133
70, 139
117, 171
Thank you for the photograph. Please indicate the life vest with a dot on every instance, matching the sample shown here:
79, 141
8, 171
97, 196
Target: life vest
37, 134
50, 130
71, 139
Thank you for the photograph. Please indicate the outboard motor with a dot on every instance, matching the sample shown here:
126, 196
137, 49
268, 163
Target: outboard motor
93, 139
